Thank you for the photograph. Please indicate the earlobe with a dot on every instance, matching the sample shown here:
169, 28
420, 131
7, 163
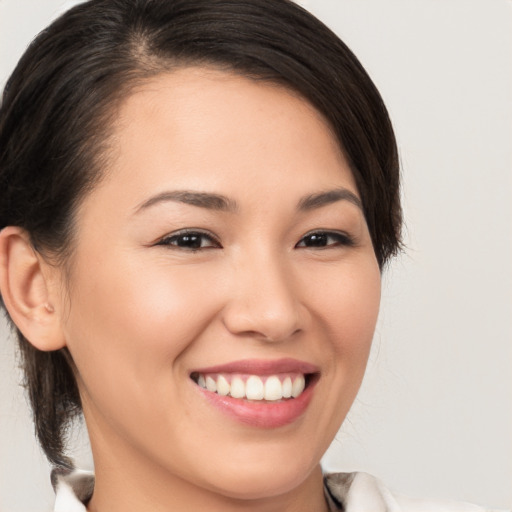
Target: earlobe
27, 290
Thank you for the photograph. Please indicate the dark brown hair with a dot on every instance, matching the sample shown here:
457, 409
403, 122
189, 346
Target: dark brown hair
62, 98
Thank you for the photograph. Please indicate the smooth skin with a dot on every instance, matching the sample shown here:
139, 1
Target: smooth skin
260, 277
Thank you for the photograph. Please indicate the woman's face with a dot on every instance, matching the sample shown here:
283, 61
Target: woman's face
226, 247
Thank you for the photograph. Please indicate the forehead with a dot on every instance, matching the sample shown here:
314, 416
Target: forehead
207, 129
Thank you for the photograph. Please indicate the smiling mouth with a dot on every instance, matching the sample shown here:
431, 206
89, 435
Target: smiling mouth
259, 393
261, 388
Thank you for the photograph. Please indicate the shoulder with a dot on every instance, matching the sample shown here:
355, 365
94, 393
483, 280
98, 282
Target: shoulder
360, 492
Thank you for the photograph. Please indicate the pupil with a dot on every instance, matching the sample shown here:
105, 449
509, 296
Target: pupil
193, 241
319, 240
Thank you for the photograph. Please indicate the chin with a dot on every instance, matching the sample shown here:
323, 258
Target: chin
261, 478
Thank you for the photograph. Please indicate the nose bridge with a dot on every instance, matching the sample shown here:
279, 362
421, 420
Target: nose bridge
264, 301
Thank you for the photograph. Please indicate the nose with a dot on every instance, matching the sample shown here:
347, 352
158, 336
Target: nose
264, 300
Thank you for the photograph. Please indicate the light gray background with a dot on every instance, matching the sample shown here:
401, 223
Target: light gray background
434, 417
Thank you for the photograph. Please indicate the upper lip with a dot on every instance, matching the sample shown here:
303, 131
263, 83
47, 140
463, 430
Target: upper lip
261, 367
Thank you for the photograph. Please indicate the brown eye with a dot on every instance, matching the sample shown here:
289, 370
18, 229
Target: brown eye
321, 239
191, 240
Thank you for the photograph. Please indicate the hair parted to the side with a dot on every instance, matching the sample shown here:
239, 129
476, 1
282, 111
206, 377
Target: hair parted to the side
61, 101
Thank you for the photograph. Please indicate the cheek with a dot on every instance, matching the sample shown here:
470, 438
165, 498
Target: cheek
349, 305
142, 304
130, 324
344, 302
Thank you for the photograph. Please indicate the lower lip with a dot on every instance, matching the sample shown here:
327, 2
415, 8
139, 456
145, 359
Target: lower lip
259, 413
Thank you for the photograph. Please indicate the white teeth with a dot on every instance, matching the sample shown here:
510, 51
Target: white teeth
273, 389
298, 386
237, 388
223, 387
254, 389
287, 387
211, 385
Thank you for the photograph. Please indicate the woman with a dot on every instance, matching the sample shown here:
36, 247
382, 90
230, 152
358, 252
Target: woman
197, 201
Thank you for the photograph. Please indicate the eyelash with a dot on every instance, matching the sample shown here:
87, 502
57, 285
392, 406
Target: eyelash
340, 239
193, 236
196, 240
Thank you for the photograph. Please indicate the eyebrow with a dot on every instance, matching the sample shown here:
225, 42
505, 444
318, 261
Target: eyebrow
222, 203
201, 199
314, 201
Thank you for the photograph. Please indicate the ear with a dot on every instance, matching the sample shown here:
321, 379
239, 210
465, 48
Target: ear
29, 290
